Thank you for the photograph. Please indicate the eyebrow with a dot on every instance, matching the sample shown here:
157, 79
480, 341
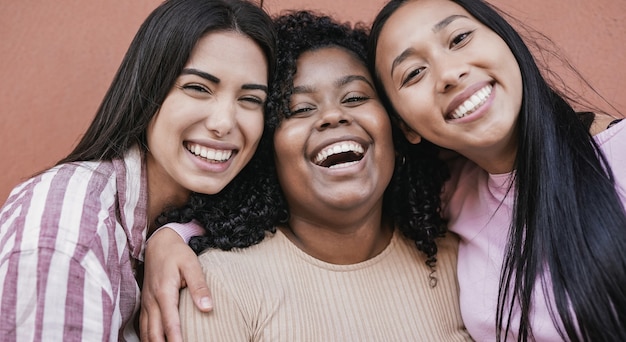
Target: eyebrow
351, 78
205, 75
213, 79
436, 28
446, 21
339, 83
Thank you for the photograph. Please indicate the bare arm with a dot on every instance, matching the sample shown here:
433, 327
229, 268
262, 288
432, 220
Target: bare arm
170, 265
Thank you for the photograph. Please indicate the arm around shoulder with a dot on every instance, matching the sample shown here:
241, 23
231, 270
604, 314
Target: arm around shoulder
226, 323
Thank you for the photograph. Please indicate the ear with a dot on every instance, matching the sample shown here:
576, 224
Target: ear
411, 135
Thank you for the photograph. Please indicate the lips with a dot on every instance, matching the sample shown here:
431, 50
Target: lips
472, 102
210, 154
340, 154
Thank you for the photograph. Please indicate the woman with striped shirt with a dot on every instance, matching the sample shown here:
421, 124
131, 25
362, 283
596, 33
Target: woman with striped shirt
184, 113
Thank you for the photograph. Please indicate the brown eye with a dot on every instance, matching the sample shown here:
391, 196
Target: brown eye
253, 99
355, 99
415, 73
195, 88
460, 38
301, 111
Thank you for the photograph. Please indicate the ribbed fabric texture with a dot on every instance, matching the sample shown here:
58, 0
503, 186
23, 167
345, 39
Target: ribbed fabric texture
275, 292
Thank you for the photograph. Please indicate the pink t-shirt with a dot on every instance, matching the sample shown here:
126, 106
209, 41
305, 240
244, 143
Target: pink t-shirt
479, 210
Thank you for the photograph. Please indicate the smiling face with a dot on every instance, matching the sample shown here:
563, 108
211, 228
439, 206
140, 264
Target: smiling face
452, 80
334, 152
210, 123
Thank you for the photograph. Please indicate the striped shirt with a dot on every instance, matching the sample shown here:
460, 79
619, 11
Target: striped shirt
70, 240
276, 292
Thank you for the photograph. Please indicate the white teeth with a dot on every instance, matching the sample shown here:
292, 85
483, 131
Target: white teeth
471, 104
209, 153
336, 166
344, 146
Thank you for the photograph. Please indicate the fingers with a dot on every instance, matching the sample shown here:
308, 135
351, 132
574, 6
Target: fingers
159, 320
149, 331
165, 251
169, 319
193, 276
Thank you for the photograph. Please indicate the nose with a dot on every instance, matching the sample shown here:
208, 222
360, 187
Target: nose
451, 72
333, 117
220, 117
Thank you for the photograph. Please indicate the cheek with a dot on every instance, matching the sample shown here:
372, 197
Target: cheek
252, 127
287, 142
410, 109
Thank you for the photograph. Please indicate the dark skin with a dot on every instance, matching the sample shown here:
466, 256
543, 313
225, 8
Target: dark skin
337, 107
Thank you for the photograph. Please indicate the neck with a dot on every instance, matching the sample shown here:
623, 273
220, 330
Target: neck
494, 161
161, 197
341, 243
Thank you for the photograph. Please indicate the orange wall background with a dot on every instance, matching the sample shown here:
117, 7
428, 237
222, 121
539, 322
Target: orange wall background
58, 57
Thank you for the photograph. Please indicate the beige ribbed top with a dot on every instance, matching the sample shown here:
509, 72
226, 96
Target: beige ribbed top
274, 291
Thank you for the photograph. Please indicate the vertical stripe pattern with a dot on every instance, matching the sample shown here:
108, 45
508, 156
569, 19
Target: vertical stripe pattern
69, 239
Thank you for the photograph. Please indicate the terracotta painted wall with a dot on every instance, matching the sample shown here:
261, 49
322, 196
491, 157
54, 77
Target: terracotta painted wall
58, 57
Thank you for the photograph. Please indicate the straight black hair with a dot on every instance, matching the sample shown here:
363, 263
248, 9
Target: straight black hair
154, 60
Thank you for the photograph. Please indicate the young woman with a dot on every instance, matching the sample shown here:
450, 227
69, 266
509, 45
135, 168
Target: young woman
336, 247
335, 268
539, 204
184, 113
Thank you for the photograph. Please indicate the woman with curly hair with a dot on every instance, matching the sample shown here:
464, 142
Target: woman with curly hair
539, 201
341, 264
184, 113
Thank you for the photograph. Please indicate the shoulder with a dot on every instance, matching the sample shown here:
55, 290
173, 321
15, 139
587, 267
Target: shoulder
62, 202
244, 265
250, 281
464, 177
63, 182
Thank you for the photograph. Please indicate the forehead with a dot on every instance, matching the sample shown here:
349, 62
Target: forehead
230, 54
418, 17
225, 45
414, 24
424, 12
327, 62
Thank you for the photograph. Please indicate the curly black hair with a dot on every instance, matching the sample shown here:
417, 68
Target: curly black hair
253, 203
412, 199
241, 214
302, 31
414, 195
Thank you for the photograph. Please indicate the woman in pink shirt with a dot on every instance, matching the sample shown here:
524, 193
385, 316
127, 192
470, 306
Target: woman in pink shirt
539, 202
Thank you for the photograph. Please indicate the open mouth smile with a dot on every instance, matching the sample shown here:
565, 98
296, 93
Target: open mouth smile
340, 154
209, 154
473, 103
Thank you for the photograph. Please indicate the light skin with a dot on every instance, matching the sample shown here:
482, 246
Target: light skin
210, 123
205, 132
452, 80
335, 108
334, 102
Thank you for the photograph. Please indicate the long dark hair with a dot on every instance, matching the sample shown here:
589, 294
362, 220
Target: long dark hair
568, 218
414, 209
152, 63
155, 59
